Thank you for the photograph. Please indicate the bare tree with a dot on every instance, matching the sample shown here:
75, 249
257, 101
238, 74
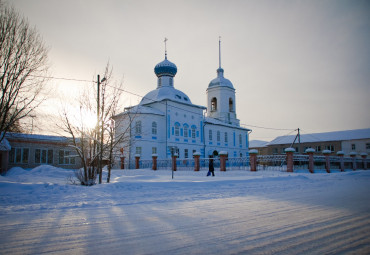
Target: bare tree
95, 146
23, 66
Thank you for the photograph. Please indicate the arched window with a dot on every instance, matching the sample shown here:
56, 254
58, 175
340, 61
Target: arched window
210, 135
231, 105
240, 139
186, 130
154, 128
138, 127
214, 104
159, 82
218, 136
177, 129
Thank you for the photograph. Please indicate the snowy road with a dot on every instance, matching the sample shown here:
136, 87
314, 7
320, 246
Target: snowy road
145, 212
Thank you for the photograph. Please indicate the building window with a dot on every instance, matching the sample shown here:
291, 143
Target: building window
368, 146
218, 136
43, 156
329, 147
19, 155
154, 150
171, 81
226, 138
154, 128
138, 150
186, 131
159, 82
231, 105
138, 127
210, 135
353, 146
214, 104
240, 140
65, 158
318, 148
177, 129
275, 151
193, 133
186, 153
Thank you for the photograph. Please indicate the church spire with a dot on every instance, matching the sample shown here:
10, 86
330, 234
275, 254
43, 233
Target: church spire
219, 52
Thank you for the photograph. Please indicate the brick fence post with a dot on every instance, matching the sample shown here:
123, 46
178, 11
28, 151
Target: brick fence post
289, 159
122, 162
327, 159
364, 156
341, 160
137, 161
174, 165
353, 155
311, 165
223, 155
154, 158
196, 156
253, 159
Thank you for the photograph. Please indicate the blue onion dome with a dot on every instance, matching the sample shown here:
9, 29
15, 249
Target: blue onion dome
165, 68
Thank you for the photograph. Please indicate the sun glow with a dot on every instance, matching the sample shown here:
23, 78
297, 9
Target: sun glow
82, 118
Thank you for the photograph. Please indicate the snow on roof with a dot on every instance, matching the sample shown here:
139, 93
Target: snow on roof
164, 93
35, 137
4, 145
257, 143
221, 123
325, 137
139, 109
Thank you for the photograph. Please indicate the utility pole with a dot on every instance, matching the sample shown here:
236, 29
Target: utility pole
99, 139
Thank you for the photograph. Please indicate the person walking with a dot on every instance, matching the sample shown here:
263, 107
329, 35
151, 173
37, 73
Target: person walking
211, 169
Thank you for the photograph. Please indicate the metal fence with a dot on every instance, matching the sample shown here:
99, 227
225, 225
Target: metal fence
264, 162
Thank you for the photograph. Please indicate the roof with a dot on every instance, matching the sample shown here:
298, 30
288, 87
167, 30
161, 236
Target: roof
10, 135
257, 143
4, 145
165, 68
164, 93
140, 109
220, 81
325, 137
214, 121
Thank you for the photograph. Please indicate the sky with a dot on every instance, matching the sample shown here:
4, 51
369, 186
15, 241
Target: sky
294, 64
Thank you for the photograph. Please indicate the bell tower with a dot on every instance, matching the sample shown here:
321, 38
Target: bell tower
221, 97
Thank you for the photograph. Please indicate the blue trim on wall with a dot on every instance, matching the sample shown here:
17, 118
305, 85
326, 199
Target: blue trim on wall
234, 138
168, 126
173, 131
201, 131
154, 137
246, 141
138, 136
193, 141
181, 132
186, 140
197, 133
210, 143
177, 140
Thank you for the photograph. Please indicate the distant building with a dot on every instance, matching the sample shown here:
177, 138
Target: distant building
29, 151
348, 141
167, 122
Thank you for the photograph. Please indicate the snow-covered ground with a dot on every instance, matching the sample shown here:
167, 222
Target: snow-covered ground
146, 212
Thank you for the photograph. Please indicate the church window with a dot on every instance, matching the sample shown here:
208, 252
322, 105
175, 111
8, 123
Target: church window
154, 150
218, 136
186, 153
210, 135
214, 104
171, 81
154, 128
240, 139
193, 132
159, 82
186, 131
226, 138
231, 105
138, 127
177, 129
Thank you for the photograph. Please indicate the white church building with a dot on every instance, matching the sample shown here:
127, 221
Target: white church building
167, 122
